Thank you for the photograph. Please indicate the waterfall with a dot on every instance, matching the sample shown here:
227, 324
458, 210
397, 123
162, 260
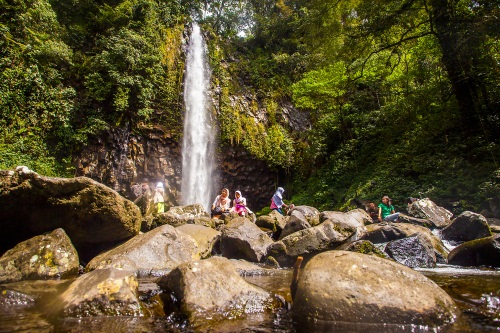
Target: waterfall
198, 142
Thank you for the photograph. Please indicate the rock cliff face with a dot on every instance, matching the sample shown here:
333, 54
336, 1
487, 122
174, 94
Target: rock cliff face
120, 158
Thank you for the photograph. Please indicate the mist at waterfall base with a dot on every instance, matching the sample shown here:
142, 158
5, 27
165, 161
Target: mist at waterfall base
198, 142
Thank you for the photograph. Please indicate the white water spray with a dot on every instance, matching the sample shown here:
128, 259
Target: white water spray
198, 143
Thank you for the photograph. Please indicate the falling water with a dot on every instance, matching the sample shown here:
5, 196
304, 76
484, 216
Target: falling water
198, 143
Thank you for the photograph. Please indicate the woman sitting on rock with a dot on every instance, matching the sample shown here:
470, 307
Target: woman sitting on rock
277, 200
222, 204
240, 205
386, 211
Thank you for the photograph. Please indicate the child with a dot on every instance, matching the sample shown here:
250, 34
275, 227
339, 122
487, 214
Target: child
386, 211
373, 211
240, 205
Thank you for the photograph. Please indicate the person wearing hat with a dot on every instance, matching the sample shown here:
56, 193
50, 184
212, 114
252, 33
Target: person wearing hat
386, 211
158, 197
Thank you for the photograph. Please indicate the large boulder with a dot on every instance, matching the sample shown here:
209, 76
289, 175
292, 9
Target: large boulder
155, 252
345, 286
180, 215
205, 237
311, 214
428, 210
296, 222
103, 292
211, 288
413, 251
479, 252
385, 233
274, 222
323, 237
353, 219
94, 216
378, 233
41, 257
242, 239
403, 218
364, 247
466, 227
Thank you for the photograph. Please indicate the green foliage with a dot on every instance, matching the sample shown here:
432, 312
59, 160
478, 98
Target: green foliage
72, 69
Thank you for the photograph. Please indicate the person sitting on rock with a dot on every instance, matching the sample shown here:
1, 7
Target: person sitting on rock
277, 201
372, 210
158, 197
240, 205
221, 204
386, 212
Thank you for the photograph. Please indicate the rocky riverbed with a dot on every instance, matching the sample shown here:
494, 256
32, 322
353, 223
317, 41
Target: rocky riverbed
79, 257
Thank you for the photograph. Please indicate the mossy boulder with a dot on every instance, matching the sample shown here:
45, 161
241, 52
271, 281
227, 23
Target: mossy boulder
242, 239
307, 242
466, 227
155, 252
103, 292
180, 215
364, 247
95, 217
205, 237
311, 214
211, 289
479, 252
41, 257
342, 286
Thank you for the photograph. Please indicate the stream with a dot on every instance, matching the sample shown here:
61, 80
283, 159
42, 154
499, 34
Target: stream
475, 291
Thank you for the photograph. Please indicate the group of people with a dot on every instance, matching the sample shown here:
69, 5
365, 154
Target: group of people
222, 204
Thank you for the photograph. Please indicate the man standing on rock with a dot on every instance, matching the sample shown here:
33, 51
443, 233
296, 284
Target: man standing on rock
158, 197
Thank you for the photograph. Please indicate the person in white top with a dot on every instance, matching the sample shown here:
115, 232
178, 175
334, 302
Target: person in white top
221, 204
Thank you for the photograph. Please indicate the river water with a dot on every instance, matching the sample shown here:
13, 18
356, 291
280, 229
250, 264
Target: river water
475, 291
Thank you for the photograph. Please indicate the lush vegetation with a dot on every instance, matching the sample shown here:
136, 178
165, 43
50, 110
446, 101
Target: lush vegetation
403, 97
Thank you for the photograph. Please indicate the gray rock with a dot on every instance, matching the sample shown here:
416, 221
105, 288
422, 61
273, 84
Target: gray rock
205, 237
156, 251
323, 237
353, 219
466, 227
413, 251
10, 298
351, 287
479, 252
211, 288
41, 257
103, 292
296, 222
94, 216
428, 210
310, 213
242, 239
274, 222
402, 218
180, 215
364, 247
385, 233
